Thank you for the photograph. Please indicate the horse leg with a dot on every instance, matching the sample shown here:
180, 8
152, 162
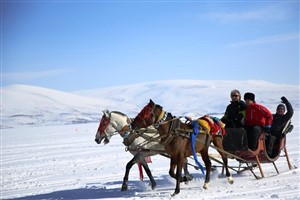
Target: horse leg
180, 162
128, 167
218, 142
173, 164
225, 162
172, 167
205, 158
147, 170
187, 174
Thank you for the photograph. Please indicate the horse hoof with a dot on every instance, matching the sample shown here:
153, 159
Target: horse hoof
230, 179
186, 178
183, 179
189, 177
153, 186
205, 186
124, 187
175, 193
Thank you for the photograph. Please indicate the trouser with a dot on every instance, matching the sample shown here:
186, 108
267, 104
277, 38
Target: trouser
270, 141
235, 139
253, 135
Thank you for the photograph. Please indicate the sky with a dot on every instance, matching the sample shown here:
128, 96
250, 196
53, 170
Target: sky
78, 45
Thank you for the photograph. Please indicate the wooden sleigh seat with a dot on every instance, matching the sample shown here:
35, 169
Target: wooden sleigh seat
255, 158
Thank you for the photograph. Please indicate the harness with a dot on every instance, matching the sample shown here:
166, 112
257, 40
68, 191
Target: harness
196, 127
162, 117
212, 125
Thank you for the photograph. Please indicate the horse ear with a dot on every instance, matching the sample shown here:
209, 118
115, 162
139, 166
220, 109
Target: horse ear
105, 112
151, 102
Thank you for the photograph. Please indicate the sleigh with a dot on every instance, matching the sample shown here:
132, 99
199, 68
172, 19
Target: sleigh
235, 146
249, 159
180, 140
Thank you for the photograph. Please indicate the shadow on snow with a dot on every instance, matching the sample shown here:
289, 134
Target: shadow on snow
104, 190
165, 184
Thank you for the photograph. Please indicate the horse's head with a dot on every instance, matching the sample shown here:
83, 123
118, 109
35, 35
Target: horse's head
147, 116
105, 129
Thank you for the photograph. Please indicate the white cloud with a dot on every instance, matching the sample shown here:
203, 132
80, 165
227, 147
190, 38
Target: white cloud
266, 13
267, 39
25, 76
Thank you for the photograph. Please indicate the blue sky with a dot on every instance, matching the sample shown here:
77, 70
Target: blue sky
77, 45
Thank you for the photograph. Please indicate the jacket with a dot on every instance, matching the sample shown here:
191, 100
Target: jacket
279, 121
258, 115
234, 113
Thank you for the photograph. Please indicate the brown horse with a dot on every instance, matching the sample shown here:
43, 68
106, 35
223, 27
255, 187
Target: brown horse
216, 133
177, 145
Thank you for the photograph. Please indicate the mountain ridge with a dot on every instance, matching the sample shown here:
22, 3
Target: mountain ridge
33, 105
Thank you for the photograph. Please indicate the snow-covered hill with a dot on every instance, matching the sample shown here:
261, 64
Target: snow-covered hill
30, 105
195, 97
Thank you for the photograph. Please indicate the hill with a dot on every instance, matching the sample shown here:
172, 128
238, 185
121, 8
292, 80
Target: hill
31, 105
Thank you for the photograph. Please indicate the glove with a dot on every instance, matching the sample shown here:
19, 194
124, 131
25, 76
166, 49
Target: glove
240, 117
284, 100
243, 121
188, 118
224, 120
266, 129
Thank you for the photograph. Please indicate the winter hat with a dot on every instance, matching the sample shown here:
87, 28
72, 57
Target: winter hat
250, 96
281, 105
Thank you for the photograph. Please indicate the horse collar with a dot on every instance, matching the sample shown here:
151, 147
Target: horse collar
162, 117
125, 128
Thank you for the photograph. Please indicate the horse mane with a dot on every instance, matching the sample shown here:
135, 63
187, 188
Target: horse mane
120, 113
159, 106
144, 112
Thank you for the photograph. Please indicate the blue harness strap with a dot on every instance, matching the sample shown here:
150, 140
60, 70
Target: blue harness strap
196, 127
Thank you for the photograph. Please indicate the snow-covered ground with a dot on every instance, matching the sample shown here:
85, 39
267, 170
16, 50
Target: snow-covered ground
48, 149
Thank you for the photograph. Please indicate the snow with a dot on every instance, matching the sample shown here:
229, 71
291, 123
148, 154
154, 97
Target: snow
48, 149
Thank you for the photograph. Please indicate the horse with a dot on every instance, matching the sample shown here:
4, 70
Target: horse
177, 145
115, 121
214, 127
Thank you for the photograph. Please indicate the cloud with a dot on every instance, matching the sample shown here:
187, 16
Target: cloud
26, 76
266, 40
266, 13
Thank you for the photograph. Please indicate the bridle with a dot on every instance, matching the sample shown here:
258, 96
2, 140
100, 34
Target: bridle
148, 113
104, 123
103, 129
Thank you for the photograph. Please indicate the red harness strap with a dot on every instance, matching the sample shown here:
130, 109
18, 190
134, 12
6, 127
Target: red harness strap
148, 160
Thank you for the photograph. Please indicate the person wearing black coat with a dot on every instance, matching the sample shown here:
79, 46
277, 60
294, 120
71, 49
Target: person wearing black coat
280, 118
235, 111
